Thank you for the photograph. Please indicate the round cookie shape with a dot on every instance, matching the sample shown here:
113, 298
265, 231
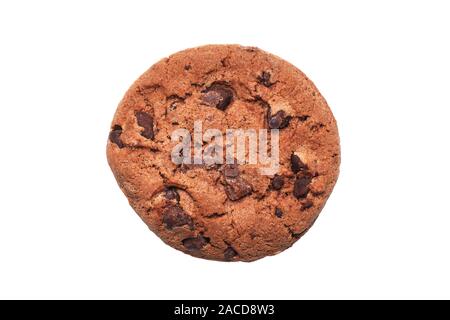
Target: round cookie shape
225, 211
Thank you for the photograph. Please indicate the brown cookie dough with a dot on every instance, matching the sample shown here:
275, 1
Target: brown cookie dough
226, 212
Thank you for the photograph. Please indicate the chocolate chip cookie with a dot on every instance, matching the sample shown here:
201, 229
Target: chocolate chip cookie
232, 210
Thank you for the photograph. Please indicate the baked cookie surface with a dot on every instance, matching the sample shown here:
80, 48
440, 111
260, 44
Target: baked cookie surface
226, 212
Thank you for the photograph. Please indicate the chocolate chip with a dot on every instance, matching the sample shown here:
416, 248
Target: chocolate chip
229, 254
231, 171
174, 216
315, 127
277, 182
264, 79
145, 121
263, 103
172, 194
114, 136
237, 188
301, 186
195, 244
218, 95
215, 215
297, 164
306, 205
303, 118
279, 120
278, 212
187, 67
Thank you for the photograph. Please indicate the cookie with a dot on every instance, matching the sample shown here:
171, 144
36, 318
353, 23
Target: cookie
176, 151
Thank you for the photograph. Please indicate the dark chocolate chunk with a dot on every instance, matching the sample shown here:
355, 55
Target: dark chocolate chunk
303, 118
316, 126
229, 253
264, 79
301, 186
145, 121
278, 212
279, 120
277, 182
306, 205
114, 136
215, 215
174, 216
231, 171
237, 188
195, 244
296, 164
172, 194
218, 95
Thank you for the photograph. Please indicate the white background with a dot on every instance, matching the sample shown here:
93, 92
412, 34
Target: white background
67, 231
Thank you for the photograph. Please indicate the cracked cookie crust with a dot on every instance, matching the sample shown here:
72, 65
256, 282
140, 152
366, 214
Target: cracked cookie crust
225, 212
